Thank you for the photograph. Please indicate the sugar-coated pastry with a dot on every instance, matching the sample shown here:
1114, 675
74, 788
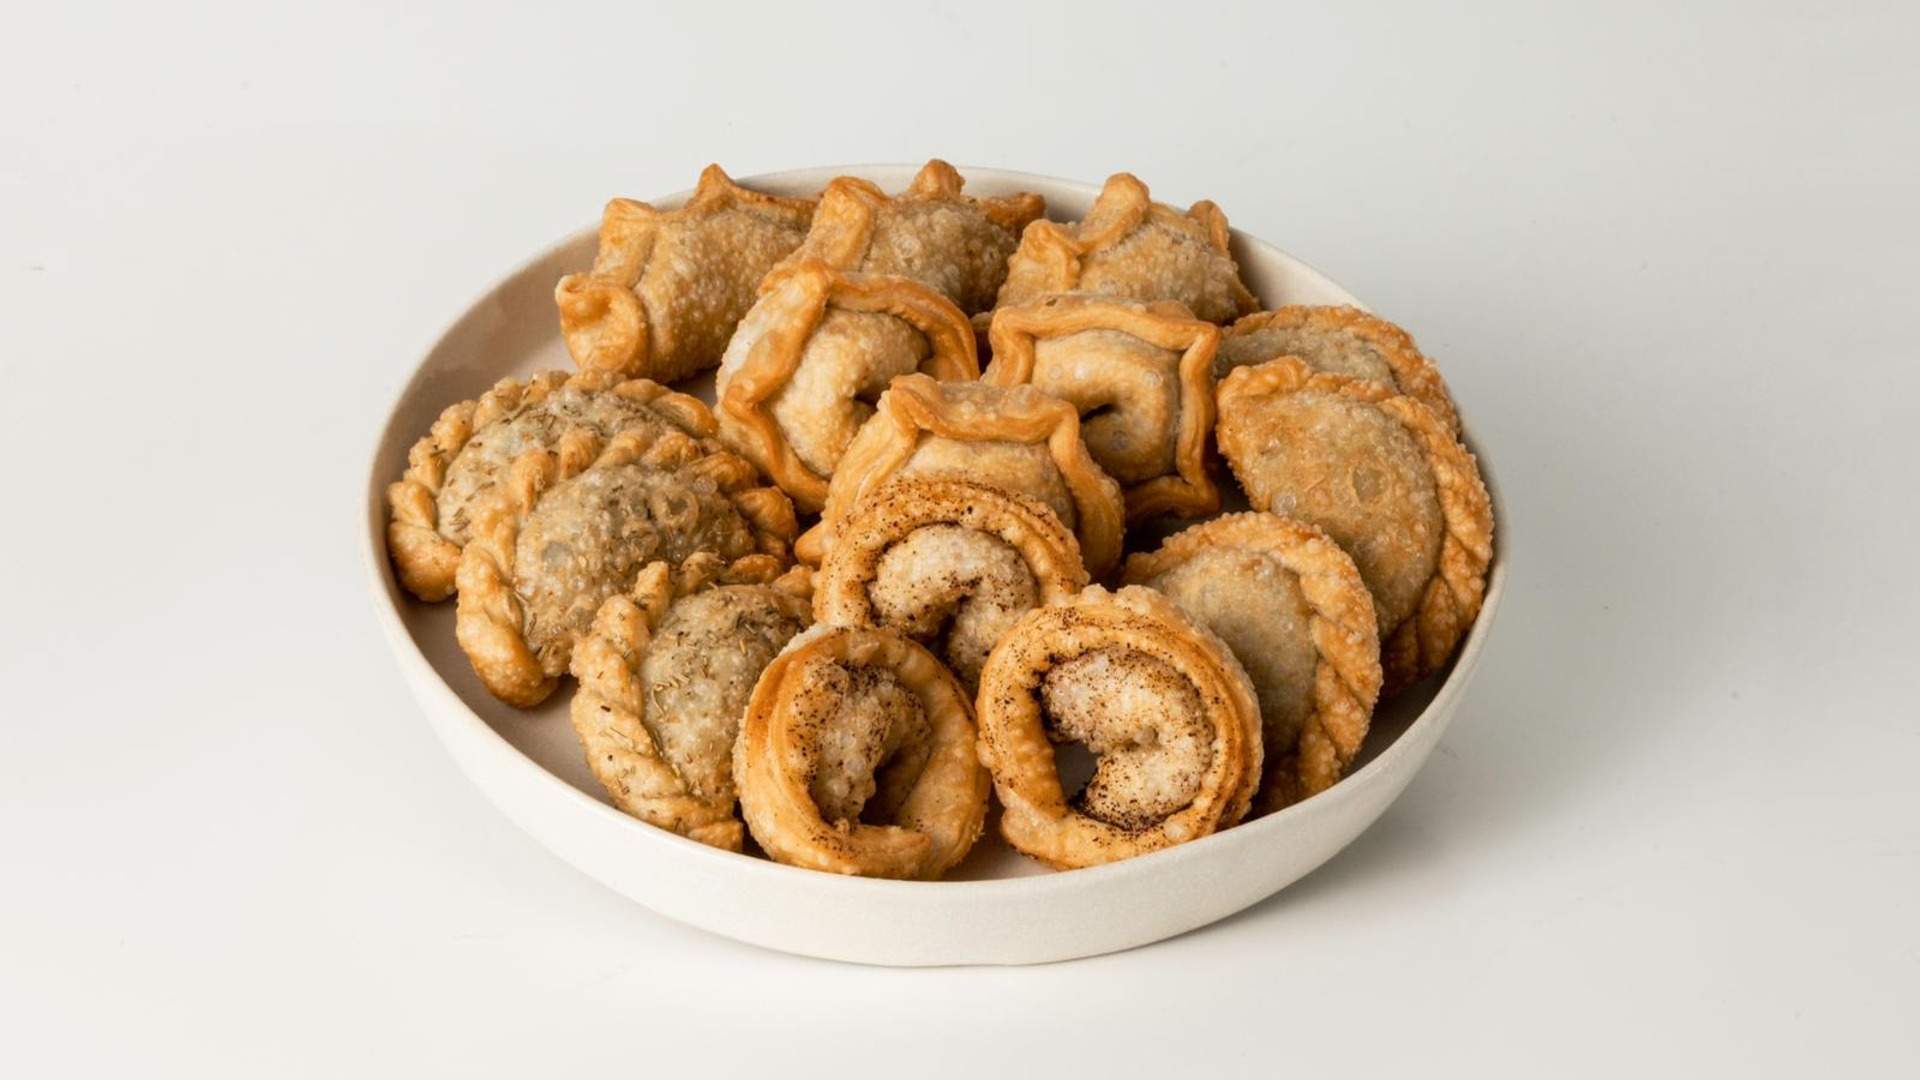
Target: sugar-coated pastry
1343, 341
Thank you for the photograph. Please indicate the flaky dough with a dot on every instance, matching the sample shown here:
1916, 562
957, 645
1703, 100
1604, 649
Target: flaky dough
1342, 341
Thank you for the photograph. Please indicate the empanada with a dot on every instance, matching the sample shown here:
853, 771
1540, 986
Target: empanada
573, 526
1343, 341
930, 233
1382, 475
668, 286
818, 347
471, 445
950, 563
664, 674
1292, 607
856, 756
1141, 375
1128, 245
1012, 437
1158, 698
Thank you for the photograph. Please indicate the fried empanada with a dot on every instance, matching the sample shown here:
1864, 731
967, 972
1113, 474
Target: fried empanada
818, 347
1141, 374
1012, 437
471, 445
665, 672
1161, 702
1130, 246
856, 756
1382, 475
573, 526
1343, 341
668, 286
950, 563
930, 233
1292, 607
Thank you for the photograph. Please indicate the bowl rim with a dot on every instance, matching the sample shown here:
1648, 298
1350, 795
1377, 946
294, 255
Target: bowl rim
386, 598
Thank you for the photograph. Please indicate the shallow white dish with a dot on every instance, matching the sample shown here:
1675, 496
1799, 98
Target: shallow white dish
997, 907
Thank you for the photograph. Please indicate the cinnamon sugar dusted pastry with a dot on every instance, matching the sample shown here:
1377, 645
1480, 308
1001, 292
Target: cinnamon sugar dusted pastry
950, 563
1292, 607
1158, 698
668, 286
930, 233
472, 443
1011, 437
1341, 340
1141, 375
1128, 245
856, 756
572, 526
1382, 475
818, 347
664, 674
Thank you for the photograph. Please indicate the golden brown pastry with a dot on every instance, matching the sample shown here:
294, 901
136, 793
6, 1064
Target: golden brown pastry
471, 445
856, 756
1343, 341
1141, 375
930, 233
950, 563
1292, 607
1128, 245
818, 347
665, 673
1158, 698
572, 526
668, 286
1381, 474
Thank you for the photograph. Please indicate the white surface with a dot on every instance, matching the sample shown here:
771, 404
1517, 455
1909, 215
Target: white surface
1667, 261
996, 906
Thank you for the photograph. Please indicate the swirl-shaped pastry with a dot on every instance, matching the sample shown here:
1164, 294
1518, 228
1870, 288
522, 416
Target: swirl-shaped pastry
1012, 437
1292, 607
573, 526
1342, 341
472, 443
818, 347
1128, 245
950, 563
667, 287
664, 674
930, 233
856, 756
1141, 375
1160, 700
1381, 474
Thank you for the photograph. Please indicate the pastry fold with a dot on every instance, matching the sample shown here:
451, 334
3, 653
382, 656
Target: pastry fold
1341, 341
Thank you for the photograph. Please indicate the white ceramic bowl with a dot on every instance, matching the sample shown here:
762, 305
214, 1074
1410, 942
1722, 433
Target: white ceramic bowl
997, 908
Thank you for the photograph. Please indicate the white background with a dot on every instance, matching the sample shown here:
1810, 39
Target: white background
1666, 258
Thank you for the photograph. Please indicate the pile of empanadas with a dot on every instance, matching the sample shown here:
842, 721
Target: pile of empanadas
965, 406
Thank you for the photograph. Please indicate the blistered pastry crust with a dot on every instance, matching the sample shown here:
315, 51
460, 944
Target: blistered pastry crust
1038, 818
1413, 373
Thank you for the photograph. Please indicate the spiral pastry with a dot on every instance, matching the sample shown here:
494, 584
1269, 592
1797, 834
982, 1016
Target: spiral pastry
856, 756
950, 563
1161, 702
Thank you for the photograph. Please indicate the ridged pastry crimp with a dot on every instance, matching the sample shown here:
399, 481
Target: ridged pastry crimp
1343, 341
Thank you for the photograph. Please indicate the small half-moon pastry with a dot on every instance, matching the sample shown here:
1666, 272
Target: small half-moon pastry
930, 233
1343, 341
950, 563
1141, 374
1128, 245
1159, 700
1292, 607
856, 756
1382, 475
668, 286
665, 672
819, 346
472, 443
1011, 437
573, 526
